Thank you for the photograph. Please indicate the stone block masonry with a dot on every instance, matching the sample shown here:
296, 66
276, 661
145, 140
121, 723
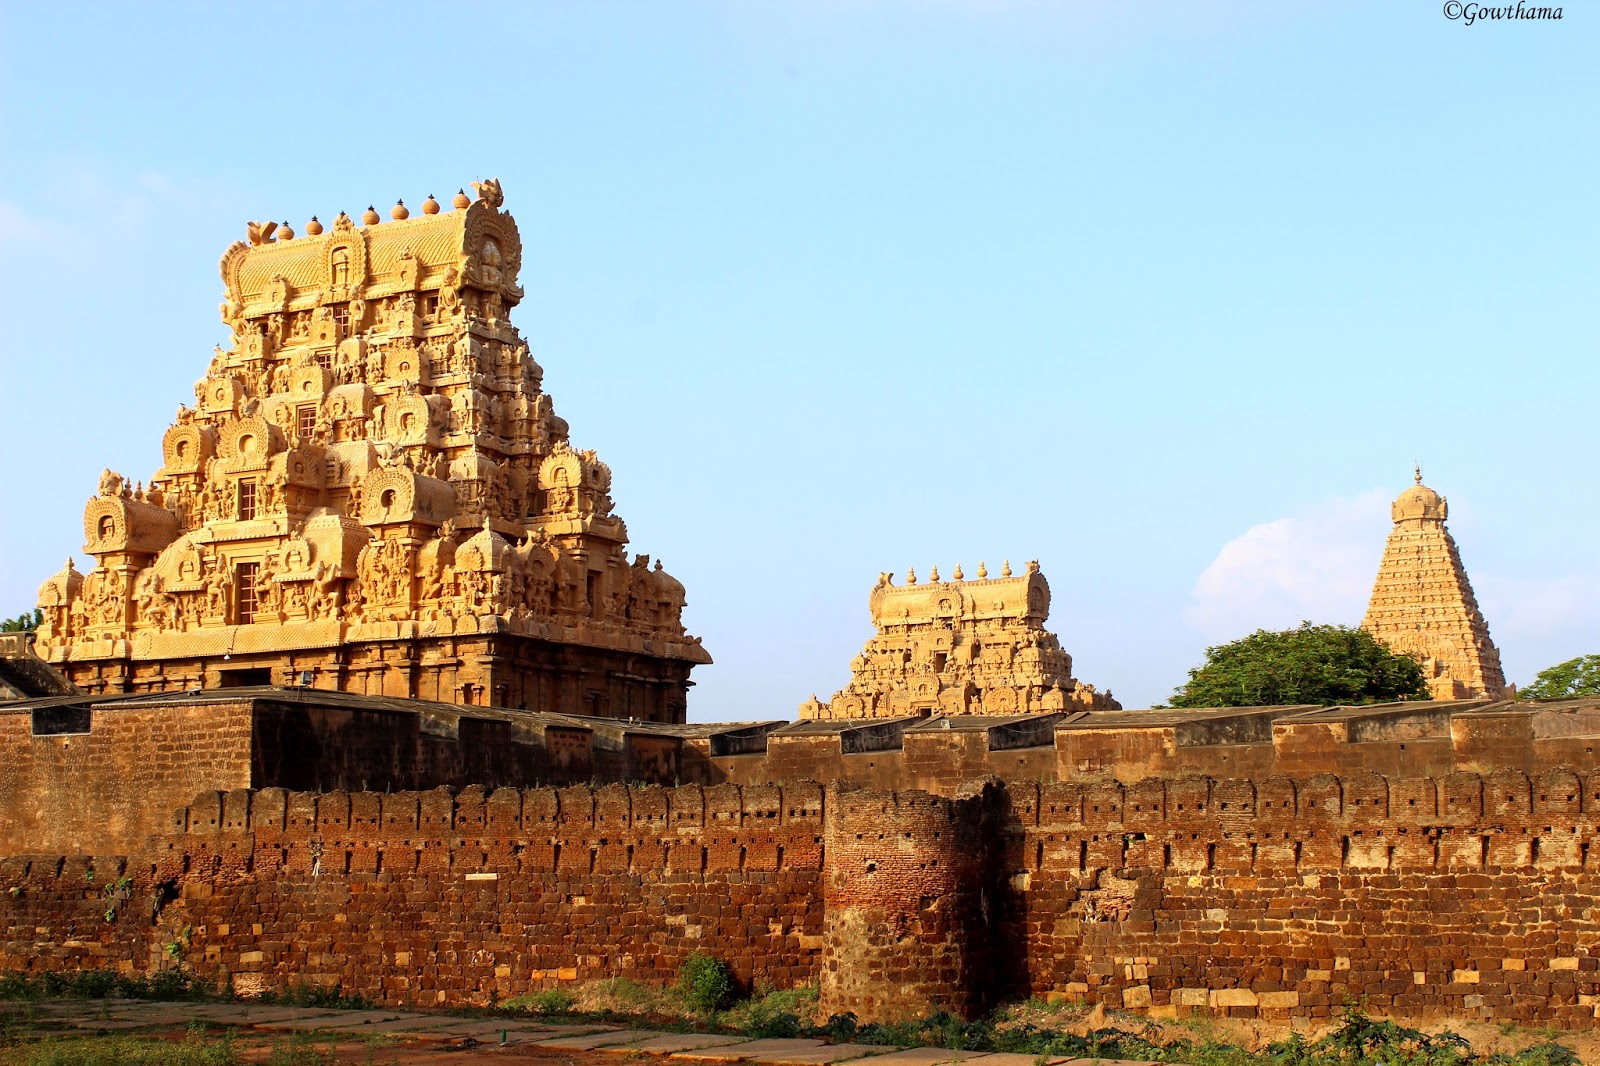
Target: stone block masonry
438, 898
1461, 895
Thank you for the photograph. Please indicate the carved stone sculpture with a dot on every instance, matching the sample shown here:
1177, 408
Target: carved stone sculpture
306, 515
960, 647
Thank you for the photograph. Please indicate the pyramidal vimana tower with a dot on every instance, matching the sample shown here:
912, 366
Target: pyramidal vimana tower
372, 493
1422, 603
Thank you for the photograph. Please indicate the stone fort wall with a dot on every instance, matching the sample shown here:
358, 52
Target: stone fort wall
1469, 895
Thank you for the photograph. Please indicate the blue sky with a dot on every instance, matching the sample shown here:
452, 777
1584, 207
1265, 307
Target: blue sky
1168, 296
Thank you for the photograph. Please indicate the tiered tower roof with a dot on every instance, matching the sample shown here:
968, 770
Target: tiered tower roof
373, 459
960, 646
1422, 602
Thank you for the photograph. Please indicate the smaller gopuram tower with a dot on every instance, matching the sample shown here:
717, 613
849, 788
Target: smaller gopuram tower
960, 647
1422, 602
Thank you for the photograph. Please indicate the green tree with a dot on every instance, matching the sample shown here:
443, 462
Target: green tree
1313, 664
1575, 677
27, 620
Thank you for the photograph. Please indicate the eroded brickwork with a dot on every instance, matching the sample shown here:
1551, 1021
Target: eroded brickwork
905, 922
434, 898
1463, 895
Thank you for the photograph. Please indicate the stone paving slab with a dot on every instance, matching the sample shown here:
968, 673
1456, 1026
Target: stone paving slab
323, 1019
750, 1050
1111, 1062
248, 1014
595, 1040
381, 1023
109, 1024
487, 1032
336, 1020
829, 1053
667, 1043
253, 1014
923, 1056
1008, 1058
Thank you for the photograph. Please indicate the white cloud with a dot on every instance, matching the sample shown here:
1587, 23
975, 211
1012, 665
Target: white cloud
1538, 622
1317, 565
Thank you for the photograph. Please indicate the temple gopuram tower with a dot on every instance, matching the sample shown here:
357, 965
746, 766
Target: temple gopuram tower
372, 493
960, 647
1422, 602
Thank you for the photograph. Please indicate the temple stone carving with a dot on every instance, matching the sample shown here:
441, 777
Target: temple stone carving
1422, 602
371, 492
961, 646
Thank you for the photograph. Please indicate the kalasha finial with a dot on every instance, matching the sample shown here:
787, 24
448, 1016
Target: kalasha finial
934, 575
430, 206
462, 200
911, 575
399, 212
1005, 570
956, 576
1418, 476
286, 232
370, 216
983, 571
313, 228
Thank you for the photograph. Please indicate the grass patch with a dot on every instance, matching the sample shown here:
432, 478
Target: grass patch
327, 997
783, 1013
104, 984
121, 1051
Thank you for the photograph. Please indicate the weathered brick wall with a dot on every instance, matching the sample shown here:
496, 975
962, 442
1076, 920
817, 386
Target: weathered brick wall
428, 898
1466, 895
107, 790
1461, 895
903, 905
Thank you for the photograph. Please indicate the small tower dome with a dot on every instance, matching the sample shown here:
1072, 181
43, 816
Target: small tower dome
1419, 501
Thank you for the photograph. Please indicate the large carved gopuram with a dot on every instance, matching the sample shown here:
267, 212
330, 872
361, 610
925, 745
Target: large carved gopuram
960, 646
371, 493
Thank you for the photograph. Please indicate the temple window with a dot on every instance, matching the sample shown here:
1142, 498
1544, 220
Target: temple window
430, 307
247, 499
244, 580
305, 420
340, 263
108, 526
324, 359
341, 318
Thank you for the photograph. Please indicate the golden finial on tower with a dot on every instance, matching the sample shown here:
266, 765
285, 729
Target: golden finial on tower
1005, 571
313, 228
1418, 477
934, 575
430, 206
956, 574
983, 571
911, 575
399, 212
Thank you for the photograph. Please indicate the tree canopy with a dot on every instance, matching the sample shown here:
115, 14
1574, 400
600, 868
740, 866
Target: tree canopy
1575, 677
1313, 664
27, 620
